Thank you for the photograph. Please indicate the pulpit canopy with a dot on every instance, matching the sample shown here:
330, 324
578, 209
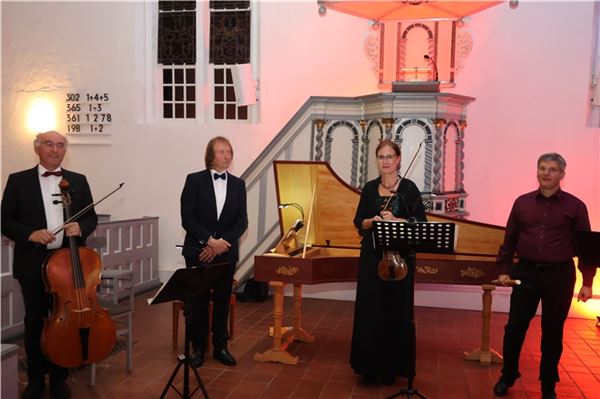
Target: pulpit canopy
390, 10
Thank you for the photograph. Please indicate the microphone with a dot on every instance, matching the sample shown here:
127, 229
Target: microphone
435, 68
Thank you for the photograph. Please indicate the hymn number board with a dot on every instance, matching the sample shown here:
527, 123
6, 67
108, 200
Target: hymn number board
88, 113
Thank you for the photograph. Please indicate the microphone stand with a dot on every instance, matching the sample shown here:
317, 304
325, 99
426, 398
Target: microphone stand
435, 68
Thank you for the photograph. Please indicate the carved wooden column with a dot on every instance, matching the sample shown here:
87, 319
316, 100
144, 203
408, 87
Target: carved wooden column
364, 149
460, 175
438, 152
388, 123
319, 124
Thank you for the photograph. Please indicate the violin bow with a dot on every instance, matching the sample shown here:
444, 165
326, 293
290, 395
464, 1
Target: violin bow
402, 177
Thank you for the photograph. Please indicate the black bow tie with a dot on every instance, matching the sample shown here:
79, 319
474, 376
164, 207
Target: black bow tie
57, 173
220, 176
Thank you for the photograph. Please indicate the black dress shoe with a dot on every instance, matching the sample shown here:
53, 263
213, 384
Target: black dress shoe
223, 356
33, 390
197, 359
60, 390
549, 394
501, 387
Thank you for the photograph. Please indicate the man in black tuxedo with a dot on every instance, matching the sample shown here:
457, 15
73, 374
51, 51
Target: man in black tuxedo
214, 216
29, 218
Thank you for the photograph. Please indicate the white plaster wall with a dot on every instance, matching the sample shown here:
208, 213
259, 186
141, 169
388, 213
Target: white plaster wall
50, 48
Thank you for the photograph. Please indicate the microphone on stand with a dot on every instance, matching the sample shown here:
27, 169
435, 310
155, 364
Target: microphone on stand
435, 68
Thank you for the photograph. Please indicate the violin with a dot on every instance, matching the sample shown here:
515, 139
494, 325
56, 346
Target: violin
78, 331
392, 267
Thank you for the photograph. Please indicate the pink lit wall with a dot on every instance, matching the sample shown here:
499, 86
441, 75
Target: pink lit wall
304, 55
530, 72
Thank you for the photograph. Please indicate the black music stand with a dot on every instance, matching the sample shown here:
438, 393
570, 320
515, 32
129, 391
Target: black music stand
183, 285
432, 237
588, 247
587, 244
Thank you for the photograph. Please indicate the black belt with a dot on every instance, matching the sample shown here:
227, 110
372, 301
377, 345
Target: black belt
545, 265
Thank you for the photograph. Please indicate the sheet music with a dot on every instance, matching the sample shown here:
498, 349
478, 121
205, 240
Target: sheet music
434, 237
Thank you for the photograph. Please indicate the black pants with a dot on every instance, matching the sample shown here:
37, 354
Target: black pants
553, 285
196, 311
37, 306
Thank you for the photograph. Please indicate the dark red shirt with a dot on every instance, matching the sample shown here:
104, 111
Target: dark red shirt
542, 230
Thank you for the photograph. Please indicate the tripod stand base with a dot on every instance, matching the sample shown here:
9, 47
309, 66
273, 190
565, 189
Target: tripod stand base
409, 393
184, 361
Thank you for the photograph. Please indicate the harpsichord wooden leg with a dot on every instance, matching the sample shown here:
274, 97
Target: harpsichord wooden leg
484, 354
278, 352
297, 331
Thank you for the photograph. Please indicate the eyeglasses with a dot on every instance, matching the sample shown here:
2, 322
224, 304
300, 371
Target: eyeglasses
386, 157
51, 144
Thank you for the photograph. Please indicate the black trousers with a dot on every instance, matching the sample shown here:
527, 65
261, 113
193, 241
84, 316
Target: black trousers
37, 306
196, 311
553, 285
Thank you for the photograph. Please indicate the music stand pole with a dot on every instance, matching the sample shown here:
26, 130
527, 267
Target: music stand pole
413, 238
409, 391
183, 285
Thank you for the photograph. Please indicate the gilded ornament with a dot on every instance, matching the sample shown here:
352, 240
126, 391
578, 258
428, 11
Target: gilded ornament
287, 270
472, 272
427, 270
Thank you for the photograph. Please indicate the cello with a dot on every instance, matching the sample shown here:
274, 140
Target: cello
78, 331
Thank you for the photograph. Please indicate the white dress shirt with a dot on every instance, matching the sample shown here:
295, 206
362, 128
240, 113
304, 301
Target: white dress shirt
54, 212
220, 187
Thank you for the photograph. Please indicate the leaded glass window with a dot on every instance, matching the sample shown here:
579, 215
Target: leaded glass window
229, 33
177, 53
177, 32
229, 44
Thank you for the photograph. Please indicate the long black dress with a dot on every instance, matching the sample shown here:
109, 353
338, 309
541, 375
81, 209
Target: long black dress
383, 314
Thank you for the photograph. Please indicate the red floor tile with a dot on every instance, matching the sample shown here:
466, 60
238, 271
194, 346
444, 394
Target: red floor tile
443, 335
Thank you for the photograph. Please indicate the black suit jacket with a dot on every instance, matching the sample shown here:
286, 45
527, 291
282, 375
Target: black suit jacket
199, 215
23, 213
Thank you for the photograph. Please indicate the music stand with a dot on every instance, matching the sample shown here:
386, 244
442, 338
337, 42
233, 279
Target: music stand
183, 285
588, 244
431, 237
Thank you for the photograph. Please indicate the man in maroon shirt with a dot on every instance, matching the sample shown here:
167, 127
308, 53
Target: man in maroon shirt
540, 230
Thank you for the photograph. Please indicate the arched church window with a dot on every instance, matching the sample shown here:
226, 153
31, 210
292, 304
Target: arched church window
229, 46
177, 54
181, 57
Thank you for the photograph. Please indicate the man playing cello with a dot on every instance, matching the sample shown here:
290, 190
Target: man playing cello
29, 216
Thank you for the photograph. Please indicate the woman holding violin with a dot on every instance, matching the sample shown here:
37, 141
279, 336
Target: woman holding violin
31, 211
383, 314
